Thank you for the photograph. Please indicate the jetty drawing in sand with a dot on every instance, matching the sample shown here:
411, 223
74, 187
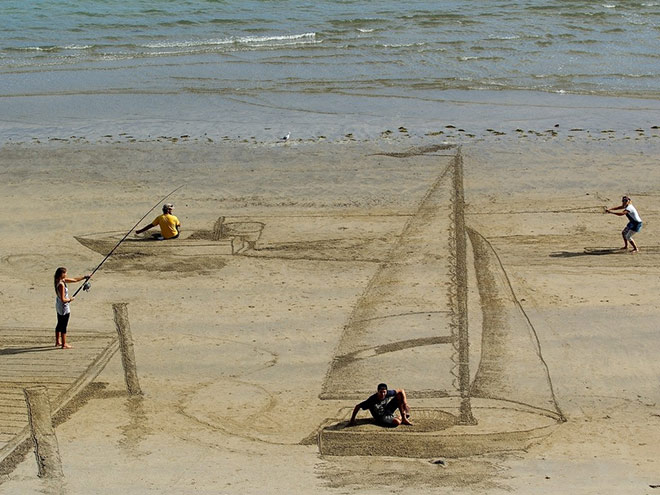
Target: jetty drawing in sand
440, 319
29, 359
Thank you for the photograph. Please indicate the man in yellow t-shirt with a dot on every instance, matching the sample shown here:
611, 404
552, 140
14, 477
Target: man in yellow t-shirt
168, 223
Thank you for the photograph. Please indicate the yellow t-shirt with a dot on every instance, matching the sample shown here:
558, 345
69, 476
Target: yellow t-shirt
168, 225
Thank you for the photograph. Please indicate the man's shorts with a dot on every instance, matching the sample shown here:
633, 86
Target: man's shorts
631, 229
387, 419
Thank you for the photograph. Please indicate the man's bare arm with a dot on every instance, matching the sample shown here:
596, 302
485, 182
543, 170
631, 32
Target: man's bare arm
353, 416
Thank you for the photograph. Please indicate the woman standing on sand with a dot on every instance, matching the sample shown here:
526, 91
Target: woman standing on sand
62, 301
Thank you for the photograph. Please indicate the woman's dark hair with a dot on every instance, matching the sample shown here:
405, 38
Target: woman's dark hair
58, 275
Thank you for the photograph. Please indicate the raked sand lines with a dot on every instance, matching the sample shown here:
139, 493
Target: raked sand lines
28, 357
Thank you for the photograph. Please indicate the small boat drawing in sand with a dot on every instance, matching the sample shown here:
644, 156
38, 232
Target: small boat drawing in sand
225, 238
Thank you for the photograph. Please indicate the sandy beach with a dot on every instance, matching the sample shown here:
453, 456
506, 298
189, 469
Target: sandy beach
234, 351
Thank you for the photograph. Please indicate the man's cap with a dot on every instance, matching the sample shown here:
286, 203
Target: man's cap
625, 198
381, 386
168, 206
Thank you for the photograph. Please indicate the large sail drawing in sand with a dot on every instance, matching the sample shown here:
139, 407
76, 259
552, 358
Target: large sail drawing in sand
404, 311
410, 329
511, 366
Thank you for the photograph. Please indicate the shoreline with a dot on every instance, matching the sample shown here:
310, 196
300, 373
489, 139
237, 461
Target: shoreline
453, 115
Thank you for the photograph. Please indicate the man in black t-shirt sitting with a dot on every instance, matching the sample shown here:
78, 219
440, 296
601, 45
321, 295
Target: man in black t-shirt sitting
383, 404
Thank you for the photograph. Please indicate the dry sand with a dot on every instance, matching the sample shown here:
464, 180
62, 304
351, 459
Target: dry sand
233, 351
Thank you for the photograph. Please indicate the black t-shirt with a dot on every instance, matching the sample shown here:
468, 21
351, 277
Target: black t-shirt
377, 407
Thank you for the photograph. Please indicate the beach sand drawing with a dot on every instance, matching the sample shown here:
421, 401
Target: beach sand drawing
408, 324
390, 276
225, 238
413, 328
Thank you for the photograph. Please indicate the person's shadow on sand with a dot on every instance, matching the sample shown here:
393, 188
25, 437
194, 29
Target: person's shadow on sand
358, 422
587, 252
21, 350
345, 424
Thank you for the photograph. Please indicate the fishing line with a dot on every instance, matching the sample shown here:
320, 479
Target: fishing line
86, 286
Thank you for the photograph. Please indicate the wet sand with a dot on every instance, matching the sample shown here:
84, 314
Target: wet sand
233, 351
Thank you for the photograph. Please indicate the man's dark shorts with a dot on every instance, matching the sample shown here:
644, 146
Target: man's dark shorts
387, 419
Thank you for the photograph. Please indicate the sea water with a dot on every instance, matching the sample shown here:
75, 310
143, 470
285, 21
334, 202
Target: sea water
262, 68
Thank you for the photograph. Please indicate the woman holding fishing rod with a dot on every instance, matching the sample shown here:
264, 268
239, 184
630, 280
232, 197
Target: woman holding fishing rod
62, 301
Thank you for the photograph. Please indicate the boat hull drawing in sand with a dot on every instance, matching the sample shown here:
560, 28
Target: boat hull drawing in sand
225, 238
440, 319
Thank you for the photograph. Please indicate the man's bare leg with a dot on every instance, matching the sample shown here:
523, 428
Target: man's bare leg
634, 246
404, 408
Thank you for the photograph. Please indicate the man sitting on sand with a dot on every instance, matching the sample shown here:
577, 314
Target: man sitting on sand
168, 223
383, 405
634, 221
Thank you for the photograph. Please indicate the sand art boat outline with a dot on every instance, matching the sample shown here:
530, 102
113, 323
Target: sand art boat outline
226, 238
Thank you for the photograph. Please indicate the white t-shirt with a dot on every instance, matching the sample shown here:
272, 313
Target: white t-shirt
632, 214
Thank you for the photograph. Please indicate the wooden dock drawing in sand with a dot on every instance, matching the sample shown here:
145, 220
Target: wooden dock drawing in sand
29, 358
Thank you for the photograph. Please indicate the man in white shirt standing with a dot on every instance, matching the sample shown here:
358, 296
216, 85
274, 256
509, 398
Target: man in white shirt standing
634, 221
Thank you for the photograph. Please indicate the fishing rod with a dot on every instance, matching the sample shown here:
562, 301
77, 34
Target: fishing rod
86, 286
